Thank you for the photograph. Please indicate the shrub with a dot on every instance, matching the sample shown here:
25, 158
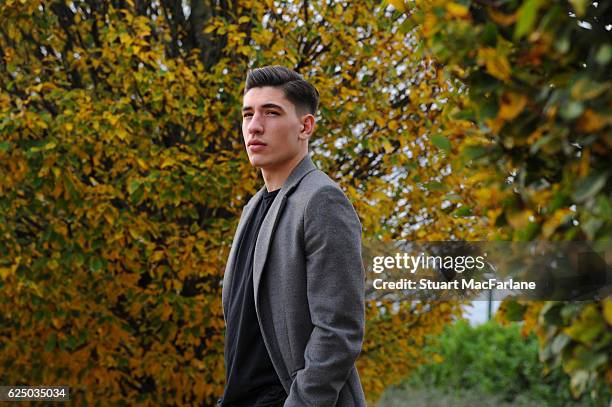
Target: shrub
492, 359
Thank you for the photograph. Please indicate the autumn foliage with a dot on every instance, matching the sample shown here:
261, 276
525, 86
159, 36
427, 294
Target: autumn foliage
122, 176
538, 89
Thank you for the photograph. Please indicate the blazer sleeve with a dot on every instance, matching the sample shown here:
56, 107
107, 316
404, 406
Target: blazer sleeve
335, 288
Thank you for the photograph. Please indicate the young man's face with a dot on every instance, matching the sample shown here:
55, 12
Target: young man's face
272, 131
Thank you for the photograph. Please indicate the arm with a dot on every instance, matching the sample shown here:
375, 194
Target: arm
335, 289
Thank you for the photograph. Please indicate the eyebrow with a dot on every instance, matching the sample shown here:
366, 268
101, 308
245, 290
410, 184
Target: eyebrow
266, 105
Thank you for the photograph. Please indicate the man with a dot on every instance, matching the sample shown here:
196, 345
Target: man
293, 289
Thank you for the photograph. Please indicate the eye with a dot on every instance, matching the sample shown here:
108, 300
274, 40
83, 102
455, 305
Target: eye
271, 112
247, 115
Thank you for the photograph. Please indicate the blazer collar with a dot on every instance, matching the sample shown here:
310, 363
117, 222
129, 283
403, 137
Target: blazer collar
268, 226
304, 167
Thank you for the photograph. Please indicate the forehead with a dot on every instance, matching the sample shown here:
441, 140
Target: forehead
258, 97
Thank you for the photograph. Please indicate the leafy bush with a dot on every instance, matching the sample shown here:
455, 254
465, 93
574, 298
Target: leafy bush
403, 396
537, 87
496, 360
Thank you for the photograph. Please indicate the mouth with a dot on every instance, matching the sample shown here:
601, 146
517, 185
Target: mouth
255, 143
255, 146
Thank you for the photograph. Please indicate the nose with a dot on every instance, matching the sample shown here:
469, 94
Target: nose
255, 125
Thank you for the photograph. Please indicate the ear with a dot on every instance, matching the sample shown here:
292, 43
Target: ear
307, 128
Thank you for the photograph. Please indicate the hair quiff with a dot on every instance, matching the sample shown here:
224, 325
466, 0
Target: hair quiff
297, 90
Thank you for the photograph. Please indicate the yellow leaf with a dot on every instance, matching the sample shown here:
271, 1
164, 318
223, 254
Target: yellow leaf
5, 272
496, 63
558, 218
121, 133
585, 162
512, 104
388, 147
263, 37
125, 39
501, 18
113, 120
57, 323
430, 24
158, 255
398, 5
607, 310
499, 67
109, 218
437, 358
166, 312
519, 219
495, 125
591, 121
457, 10
167, 162
142, 164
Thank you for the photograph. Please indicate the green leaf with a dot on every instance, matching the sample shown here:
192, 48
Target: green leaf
408, 25
71, 342
5, 145
71, 188
489, 34
133, 186
590, 360
571, 110
137, 195
474, 152
585, 89
95, 263
603, 207
441, 142
551, 313
527, 17
604, 54
452, 197
465, 114
462, 211
515, 311
78, 259
588, 326
435, 186
589, 186
51, 341
591, 227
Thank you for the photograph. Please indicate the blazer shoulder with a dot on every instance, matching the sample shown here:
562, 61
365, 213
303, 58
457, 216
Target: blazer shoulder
316, 181
319, 187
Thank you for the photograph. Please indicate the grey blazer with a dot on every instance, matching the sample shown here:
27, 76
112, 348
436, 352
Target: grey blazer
308, 280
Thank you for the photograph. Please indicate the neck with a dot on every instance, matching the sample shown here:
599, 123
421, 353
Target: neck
274, 178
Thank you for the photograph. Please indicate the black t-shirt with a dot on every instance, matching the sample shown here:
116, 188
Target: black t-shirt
250, 377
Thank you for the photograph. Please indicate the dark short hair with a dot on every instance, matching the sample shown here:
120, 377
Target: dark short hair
297, 90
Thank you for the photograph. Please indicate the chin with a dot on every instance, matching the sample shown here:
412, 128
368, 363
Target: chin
257, 162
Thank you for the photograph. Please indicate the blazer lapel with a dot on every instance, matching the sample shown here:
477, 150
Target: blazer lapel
266, 232
229, 267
